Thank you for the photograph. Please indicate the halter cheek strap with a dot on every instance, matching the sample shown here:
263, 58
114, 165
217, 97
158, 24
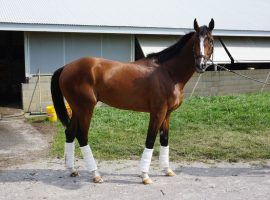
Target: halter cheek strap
203, 56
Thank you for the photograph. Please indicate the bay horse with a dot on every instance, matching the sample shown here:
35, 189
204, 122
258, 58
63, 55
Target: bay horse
153, 84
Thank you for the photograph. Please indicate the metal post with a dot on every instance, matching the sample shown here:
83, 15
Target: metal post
39, 88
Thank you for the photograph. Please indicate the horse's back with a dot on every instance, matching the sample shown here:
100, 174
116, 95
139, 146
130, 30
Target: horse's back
86, 68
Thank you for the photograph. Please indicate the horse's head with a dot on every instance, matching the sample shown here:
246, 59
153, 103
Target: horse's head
203, 45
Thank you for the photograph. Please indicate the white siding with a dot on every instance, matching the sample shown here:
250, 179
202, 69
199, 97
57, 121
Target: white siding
243, 50
46, 52
81, 45
154, 43
49, 51
117, 47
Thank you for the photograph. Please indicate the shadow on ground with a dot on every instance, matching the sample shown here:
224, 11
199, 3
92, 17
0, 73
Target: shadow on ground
60, 178
224, 171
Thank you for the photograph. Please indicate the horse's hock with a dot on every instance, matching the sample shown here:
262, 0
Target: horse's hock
210, 83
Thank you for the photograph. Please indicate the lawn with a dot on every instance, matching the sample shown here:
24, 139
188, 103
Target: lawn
229, 128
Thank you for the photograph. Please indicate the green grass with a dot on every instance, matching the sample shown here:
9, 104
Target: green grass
230, 128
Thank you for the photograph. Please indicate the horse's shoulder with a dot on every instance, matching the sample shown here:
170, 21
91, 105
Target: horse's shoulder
176, 97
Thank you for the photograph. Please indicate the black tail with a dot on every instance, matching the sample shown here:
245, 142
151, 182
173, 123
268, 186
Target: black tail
58, 99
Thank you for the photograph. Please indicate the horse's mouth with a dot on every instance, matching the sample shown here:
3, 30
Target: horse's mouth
200, 70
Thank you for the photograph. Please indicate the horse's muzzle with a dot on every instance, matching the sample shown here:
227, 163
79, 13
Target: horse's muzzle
200, 63
200, 68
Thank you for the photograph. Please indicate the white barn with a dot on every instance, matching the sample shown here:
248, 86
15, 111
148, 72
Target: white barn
42, 36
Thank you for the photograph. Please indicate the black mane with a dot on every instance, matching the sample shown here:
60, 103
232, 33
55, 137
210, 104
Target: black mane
169, 52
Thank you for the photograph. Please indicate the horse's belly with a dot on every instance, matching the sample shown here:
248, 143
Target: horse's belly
124, 98
126, 103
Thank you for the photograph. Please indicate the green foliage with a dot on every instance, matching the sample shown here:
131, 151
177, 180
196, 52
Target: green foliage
228, 128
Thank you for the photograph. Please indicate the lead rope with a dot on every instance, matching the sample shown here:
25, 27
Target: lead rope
266, 80
195, 86
239, 74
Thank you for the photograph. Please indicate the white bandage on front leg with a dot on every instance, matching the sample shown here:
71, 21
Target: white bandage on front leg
69, 155
164, 157
146, 160
88, 157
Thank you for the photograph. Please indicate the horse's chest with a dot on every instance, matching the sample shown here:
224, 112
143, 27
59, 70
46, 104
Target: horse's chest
176, 99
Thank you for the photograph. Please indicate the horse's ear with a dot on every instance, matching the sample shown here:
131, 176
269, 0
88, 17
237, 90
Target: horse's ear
211, 24
196, 26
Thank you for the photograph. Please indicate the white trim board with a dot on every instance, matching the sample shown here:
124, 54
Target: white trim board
122, 30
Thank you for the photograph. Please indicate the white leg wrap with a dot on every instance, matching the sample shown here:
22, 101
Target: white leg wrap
146, 160
88, 157
164, 157
69, 155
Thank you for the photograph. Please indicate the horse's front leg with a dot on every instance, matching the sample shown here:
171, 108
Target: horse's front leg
164, 147
155, 122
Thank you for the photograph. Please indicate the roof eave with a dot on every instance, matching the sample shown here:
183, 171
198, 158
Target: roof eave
122, 30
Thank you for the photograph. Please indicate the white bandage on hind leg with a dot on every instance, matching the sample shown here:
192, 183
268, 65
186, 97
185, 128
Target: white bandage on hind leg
164, 157
88, 158
69, 155
146, 160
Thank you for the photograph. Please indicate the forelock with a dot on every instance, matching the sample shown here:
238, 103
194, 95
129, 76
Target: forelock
204, 31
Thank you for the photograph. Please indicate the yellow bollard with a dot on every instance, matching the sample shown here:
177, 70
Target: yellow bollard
51, 113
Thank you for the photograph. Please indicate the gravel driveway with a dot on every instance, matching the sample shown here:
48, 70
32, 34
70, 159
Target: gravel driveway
20, 142
47, 179
25, 173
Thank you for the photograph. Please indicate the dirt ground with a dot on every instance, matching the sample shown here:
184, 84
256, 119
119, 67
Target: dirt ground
47, 179
20, 142
26, 172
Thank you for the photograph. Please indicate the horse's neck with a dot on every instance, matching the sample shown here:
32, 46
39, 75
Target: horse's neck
181, 66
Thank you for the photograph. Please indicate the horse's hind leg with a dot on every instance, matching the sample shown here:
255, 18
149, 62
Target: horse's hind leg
164, 147
70, 147
82, 137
